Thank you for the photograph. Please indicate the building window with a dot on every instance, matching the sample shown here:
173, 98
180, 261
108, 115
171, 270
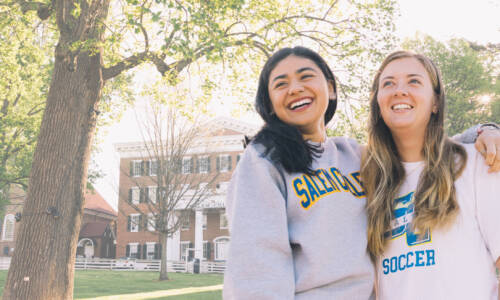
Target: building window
153, 168
206, 250
6, 250
184, 250
133, 222
224, 163
151, 222
152, 194
204, 221
187, 165
223, 219
8, 228
204, 164
150, 250
133, 250
221, 246
238, 157
185, 220
134, 195
136, 168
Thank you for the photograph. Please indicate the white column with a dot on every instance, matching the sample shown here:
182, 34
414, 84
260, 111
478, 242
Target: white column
198, 235
174, 244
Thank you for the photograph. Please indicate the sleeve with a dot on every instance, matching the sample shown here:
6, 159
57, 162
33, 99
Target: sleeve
259, 263
469, 136
348, 144
487, 203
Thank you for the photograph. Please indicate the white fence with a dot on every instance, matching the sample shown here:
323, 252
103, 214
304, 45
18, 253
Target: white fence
136, 265
4, 262
147, 265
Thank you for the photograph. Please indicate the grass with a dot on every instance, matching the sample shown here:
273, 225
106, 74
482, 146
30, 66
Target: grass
216, 295
95, 283
3, 278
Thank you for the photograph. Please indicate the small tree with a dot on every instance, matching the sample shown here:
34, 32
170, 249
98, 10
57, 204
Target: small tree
178, 183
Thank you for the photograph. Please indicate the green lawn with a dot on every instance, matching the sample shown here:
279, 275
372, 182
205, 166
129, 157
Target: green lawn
216, 295
89, 284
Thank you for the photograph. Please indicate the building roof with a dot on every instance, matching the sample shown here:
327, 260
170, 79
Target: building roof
223, 135
93, 229
232, 124
94, 201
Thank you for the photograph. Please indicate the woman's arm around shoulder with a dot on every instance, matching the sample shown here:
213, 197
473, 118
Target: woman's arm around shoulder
488, 144
486, 138
487, 196
259, 264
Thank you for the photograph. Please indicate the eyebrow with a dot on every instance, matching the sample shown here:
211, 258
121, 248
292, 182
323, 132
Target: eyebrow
297, 72
409, 75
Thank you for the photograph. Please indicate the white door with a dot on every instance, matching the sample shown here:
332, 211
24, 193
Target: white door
89, 250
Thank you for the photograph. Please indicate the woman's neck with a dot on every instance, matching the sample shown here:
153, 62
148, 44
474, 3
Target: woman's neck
316, 134
409, 146
318, 137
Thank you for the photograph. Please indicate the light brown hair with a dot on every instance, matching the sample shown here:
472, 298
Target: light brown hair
383, 174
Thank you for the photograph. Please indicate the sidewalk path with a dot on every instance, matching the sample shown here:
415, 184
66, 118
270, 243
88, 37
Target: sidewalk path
157, 294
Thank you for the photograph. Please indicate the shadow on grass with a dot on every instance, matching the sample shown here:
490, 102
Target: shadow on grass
95, 283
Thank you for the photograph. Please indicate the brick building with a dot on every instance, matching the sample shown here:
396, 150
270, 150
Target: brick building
97, 234
203, 233
8, 228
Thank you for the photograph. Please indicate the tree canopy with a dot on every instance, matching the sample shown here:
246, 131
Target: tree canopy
470, 77
25, 72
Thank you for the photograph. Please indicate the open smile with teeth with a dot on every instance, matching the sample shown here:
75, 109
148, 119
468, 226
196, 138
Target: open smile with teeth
300, 103
401, 106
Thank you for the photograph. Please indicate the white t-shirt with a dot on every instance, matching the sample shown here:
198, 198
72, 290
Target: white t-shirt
456, 262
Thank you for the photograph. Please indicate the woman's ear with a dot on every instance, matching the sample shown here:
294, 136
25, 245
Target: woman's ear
435, 108
332, 95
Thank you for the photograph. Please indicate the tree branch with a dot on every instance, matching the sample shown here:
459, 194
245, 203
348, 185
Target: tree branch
330, 8
43, 10
126, 64
35, 109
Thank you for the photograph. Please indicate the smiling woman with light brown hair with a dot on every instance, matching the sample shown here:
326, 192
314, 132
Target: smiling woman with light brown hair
432, 206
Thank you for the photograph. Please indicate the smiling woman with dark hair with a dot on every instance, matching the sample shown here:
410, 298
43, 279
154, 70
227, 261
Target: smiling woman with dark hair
295, 203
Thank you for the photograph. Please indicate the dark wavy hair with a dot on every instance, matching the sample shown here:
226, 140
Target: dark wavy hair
284, 143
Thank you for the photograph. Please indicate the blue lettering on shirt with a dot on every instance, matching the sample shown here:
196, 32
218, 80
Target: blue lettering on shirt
402, 225
405, 261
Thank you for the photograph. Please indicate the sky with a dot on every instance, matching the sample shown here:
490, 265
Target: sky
477, 21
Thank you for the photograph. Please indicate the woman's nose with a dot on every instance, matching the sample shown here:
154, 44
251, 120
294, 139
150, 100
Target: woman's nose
295, 87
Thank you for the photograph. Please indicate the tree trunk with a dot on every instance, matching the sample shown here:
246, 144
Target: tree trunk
163, 263
43, 264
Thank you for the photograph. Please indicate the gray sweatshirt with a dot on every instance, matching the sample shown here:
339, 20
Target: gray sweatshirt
295, 236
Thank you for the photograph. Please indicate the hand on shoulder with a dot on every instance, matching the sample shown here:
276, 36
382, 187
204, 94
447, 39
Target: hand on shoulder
488, 144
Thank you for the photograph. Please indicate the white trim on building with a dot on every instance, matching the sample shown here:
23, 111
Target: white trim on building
8, 228
221, 245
